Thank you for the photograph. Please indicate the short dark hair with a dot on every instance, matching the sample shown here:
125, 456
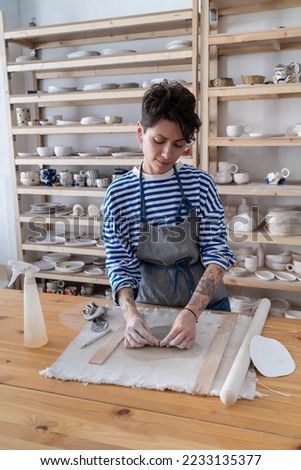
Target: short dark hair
171, 100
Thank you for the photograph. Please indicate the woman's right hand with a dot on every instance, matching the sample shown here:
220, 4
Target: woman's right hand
137, 334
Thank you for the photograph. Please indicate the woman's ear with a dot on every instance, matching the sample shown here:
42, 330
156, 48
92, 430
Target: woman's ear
139, 131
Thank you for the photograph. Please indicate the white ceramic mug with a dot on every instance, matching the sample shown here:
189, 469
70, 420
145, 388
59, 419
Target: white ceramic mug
251, 262
23, 116
223, 166
236, 130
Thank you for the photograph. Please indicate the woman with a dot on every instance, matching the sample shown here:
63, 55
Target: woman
164, 225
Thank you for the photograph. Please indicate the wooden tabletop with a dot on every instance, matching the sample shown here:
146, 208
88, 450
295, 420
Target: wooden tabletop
42, 413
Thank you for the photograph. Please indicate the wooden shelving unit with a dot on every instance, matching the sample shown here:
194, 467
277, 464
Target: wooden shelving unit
48, 44
217, 47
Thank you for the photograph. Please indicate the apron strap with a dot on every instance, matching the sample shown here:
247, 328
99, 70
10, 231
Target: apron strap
188, 206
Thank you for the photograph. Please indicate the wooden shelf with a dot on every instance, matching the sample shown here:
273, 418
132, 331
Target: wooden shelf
84, 220
260, 189
146, 26
79, 161
75, 129
285, 141
61, 191
262, 236
249, 92
74, 277
254, 282
125, 62
257, 41
61, 248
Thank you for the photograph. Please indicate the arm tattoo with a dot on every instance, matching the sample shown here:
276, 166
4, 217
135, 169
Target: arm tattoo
126, 299
207, 286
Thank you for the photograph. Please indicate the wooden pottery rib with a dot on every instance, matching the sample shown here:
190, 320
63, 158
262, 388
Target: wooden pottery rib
107, 347
214, 355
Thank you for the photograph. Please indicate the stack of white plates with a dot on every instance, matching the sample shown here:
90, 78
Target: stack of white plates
57, 257
47, 207
70, 266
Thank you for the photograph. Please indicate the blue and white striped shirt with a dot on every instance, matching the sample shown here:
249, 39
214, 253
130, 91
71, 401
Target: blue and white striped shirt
122, 211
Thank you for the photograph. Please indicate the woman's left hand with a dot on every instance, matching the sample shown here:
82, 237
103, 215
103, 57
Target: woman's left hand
182, 333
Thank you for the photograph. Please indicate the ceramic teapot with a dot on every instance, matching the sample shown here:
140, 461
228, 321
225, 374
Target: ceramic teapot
277, 177
287, 73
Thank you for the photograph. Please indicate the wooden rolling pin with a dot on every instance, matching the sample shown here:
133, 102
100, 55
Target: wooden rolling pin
236, 376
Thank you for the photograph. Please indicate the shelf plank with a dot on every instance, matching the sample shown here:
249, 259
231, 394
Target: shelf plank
83, 220
125, 29
61, 248
75, 129
247, 92
133, 60
74, 277
285, 141
61, 191
243, 40
232, 7
84, 161
260, 189
262, 236
254, 282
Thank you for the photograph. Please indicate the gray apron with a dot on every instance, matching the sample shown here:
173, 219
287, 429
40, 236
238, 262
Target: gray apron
170, 258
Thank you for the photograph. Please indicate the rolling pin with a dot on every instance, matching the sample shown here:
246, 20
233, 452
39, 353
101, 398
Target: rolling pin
236, 376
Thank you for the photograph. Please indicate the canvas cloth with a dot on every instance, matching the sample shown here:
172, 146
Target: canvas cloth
152, 367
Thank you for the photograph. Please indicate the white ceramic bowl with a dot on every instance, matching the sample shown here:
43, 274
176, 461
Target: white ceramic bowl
278, 307
241, 178
45, 151
275, 266
295, 314
113, 119
279, 258
62, 151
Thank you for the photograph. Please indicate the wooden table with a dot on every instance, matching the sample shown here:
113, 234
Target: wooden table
42, 413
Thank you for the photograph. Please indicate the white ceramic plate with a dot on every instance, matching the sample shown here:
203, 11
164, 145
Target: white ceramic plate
126, 154
259, 134
117, 51
83, 122
94, 271
61, 89
270, 357
81, 242
237, 271
70, 266
44, 265
265, 275
77, 54
66, 123
295, 314
52, 240
25, 154
284, 276
57, 257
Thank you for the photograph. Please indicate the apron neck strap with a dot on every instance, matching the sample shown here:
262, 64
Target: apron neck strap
184, 200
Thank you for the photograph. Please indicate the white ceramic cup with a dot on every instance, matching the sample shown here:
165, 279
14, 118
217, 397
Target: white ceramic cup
295, 267
297, 129
241, 178
251, 262
236, 130
23, 116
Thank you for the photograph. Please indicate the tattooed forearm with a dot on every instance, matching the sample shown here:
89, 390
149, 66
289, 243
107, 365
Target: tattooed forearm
126, 300
207, 286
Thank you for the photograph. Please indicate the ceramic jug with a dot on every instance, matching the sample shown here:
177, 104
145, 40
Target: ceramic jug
287, 73
66, 178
